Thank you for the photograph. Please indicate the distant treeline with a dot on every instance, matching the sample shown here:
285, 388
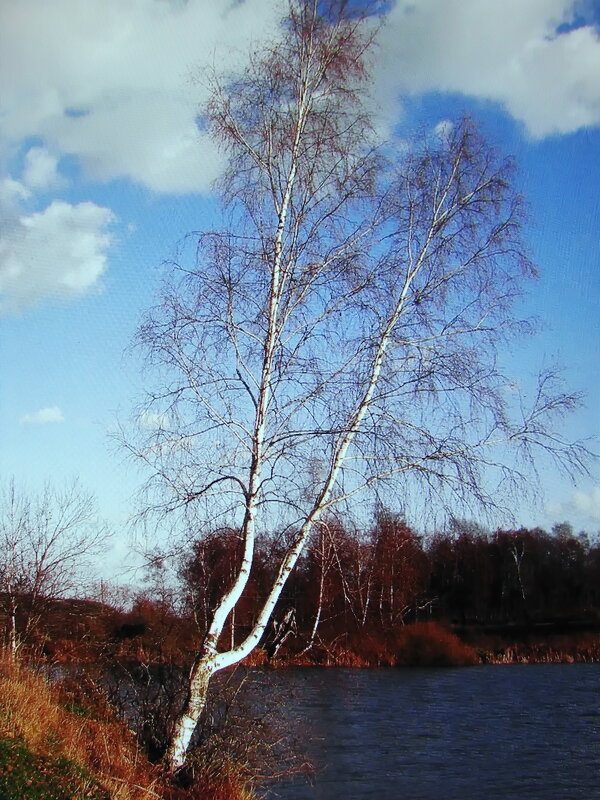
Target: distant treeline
354, 593
351, 583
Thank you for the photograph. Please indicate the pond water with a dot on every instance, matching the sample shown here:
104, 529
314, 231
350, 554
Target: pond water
503, 732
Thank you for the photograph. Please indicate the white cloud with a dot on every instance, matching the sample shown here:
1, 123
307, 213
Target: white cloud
152, 140
112, 82
12, 192
58, 253
40, 170
588, 503
109, 81
585, 505
44, 416
508, 52
153, 421
443, 129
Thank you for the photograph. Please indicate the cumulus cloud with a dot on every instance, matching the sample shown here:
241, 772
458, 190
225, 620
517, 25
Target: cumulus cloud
12, 192
44, 416
118, 84
60, 252
526, 56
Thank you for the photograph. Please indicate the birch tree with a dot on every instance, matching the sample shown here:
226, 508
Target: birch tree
342, 329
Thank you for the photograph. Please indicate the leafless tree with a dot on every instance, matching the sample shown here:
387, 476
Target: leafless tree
322, 555
342, 330
46, 542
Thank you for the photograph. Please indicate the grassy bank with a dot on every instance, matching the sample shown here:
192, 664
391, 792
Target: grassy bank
54, 746
51, 747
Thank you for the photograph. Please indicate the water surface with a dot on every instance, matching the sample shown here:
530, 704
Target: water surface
480, 733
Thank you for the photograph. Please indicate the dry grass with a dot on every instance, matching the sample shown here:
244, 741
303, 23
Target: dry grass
58, 723
31, 711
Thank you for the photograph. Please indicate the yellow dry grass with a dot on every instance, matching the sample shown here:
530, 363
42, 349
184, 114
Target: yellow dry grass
29, 708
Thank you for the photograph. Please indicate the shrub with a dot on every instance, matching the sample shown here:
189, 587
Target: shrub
429, 644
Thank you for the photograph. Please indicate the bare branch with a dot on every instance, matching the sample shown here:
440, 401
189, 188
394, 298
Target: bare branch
344, 329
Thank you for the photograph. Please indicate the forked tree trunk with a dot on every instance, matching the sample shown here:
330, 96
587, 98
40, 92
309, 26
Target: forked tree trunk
451, 220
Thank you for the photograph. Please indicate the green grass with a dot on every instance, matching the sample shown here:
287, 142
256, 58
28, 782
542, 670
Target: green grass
57, 746
24, 774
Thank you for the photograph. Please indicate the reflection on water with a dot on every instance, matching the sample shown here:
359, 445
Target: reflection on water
486, 732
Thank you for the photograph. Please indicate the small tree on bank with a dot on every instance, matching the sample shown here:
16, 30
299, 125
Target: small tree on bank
46, 542
342, 329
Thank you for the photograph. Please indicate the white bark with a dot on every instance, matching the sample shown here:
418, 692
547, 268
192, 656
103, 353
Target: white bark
12, 636
187, 721
324, 565
211, 662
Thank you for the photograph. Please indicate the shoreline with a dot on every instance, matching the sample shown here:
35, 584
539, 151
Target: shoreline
476, 654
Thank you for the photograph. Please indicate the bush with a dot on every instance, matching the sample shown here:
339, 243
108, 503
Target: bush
429, 644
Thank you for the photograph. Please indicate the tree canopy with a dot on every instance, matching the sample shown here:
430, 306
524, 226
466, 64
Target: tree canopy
342, 329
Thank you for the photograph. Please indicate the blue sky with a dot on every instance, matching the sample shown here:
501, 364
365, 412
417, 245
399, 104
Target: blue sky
103, 171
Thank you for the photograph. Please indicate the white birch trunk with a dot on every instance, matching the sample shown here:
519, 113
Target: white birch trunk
187, 721
211, 662
317, 619
12, 639
12, 636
